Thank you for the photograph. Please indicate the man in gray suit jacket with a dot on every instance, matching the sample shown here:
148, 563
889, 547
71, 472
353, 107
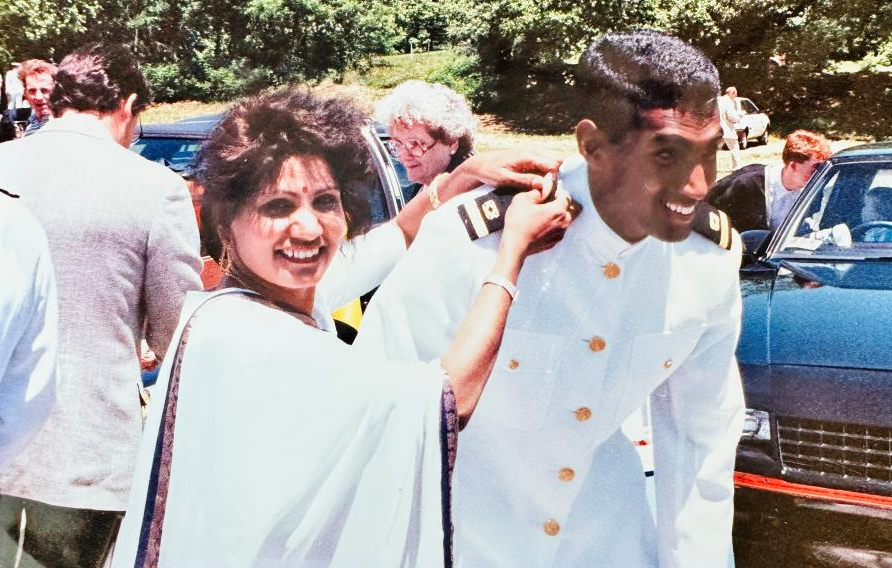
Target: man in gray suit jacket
124, 242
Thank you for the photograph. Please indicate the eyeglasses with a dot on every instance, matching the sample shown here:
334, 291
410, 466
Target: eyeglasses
412, 147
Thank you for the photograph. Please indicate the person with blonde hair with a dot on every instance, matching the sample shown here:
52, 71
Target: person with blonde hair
431, 130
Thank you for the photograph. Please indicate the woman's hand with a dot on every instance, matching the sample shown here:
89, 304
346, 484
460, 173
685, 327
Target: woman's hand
533, 224
522, 168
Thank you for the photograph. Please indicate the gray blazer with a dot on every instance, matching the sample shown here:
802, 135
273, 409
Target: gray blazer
124, 242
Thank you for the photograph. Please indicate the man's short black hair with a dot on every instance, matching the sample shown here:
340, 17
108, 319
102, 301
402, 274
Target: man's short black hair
621, 75
97, 77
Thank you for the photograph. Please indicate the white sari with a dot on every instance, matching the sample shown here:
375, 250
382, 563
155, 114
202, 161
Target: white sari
291, 449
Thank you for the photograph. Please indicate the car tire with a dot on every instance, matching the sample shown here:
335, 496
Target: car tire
763, 139
744, 140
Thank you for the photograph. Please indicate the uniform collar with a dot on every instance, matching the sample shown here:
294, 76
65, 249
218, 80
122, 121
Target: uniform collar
589, 226
81, 123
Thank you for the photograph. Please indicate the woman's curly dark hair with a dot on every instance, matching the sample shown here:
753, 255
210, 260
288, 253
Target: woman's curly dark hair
245, 153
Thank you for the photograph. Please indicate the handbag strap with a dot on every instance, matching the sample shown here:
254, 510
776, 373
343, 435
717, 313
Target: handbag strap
149, 546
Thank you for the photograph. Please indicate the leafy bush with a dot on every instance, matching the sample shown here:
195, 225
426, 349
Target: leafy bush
462, 74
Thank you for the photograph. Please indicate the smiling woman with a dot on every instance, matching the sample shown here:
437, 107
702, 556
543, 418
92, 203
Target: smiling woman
276, 443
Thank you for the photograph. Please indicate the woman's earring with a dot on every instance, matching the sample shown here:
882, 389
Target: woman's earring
226, 257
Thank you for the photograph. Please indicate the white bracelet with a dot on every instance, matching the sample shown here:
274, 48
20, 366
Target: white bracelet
503, 283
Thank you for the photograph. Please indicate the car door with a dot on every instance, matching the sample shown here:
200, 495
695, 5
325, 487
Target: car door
817, 314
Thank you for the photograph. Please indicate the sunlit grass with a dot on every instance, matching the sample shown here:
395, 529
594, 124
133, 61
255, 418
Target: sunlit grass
389, 71
172, 112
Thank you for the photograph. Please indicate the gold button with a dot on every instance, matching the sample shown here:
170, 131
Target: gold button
667, 363
611, 270
566, 474
513, 364
583, 414
551, 527
597, 344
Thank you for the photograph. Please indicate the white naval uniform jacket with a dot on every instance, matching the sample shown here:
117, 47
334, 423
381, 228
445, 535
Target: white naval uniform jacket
544, 475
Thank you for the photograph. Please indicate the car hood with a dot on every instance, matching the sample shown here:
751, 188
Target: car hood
831, 314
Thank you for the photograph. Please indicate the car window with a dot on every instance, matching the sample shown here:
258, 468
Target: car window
748, 107
374, 192
175, 153
849, 212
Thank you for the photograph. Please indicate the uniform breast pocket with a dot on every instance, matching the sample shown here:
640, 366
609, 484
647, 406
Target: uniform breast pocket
655, 356
519, 390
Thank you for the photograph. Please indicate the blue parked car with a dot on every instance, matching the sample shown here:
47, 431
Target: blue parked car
814, 466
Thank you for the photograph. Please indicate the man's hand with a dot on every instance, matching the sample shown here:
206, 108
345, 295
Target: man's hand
521, 168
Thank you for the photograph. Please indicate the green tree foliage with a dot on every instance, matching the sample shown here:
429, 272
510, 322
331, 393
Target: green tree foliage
526, 48
214, 49
423, 24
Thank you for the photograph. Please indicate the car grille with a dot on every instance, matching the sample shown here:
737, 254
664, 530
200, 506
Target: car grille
847, 450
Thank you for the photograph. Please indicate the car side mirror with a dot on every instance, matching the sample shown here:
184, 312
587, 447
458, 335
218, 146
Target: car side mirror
755, 243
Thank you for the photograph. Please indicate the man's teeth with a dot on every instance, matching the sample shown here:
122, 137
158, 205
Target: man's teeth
301, 254
681, 208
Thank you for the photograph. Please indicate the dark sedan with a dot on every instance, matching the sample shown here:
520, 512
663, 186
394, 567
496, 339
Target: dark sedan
814, 467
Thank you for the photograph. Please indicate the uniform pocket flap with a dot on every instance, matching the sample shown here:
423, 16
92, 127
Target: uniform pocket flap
661, 353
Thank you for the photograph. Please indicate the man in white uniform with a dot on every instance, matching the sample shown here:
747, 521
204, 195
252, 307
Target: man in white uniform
629, 305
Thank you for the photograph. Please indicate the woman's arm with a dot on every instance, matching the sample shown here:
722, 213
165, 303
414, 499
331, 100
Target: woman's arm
470, 357
518, 168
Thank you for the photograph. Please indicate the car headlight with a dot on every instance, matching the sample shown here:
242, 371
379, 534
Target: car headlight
756, 426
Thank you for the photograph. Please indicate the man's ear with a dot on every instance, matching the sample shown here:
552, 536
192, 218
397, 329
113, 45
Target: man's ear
590, 139
127, 106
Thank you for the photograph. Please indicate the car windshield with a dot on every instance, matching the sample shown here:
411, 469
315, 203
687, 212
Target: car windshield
848, 213
748, 107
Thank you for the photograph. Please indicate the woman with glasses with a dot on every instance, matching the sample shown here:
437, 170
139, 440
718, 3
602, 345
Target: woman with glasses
431, 130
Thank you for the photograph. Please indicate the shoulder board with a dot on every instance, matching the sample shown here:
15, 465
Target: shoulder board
9, 193
713, 224
486, 214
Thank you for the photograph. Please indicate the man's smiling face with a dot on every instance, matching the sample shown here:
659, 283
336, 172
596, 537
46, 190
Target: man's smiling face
650, 182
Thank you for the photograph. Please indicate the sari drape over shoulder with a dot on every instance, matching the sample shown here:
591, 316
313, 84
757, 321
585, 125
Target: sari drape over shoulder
291, 449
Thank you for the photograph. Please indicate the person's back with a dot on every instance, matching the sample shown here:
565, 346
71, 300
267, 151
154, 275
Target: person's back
124, 242
741, 194
29, 329
760, 197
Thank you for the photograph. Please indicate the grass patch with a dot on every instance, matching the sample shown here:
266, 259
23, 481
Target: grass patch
171, 112
389, 71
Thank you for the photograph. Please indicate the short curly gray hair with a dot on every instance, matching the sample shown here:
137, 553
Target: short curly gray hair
445, 113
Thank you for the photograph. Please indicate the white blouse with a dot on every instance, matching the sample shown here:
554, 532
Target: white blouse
291, 449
